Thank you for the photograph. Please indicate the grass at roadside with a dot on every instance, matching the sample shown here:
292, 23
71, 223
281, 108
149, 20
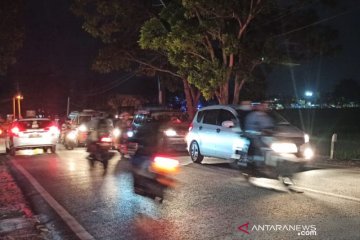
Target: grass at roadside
321, 124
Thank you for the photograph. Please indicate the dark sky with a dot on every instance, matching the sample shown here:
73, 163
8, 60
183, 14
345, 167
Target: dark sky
322, 74
57, 54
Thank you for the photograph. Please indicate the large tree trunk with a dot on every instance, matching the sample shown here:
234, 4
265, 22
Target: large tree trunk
237, 88
192, 96
222, 94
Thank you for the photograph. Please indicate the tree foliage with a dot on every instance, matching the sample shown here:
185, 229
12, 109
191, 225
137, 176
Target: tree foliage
117, 23
12, 32
213, 41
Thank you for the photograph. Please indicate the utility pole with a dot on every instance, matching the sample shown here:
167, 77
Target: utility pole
160, 92
68, 106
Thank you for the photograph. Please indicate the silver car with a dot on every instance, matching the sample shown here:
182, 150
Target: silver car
32, 133
218, 131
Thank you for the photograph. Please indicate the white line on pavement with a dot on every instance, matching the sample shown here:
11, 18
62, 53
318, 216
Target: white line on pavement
65, 215
329, 194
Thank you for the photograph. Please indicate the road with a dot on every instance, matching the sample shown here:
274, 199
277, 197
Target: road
211, 201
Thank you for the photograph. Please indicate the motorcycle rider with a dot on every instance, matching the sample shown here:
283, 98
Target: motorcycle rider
257, 123
65, 127
98, 127
148, 139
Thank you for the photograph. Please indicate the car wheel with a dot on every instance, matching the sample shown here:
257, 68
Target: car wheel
53, 149
195, 154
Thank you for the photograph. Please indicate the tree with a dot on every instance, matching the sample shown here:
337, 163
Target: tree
12, 32
126, 101
213, 42
117, 23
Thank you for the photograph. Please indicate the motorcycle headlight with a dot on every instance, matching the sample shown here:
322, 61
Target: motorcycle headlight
82, 128
116, 132
284, 147
308, 153
71, 135
306, 138
170, 132
130, 134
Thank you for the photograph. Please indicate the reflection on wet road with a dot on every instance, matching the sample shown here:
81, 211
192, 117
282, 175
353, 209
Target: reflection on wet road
211, 201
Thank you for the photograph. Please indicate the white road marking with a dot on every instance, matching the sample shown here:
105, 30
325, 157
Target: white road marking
328, 194
65, 215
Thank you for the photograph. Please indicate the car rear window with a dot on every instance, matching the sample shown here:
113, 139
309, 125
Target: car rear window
34, 124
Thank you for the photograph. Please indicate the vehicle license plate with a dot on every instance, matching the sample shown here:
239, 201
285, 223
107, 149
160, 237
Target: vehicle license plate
35, 135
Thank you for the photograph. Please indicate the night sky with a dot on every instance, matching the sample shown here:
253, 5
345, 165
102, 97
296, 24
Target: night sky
322, 74
56, 57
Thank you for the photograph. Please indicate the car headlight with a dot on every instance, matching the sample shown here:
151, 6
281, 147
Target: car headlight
308, 153
116, 132
306, 138
284, 147
82, 128
170, 132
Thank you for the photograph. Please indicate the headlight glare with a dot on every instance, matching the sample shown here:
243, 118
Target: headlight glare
116, 132
170, 132
82, 128
306, 138
308, 153
284, 147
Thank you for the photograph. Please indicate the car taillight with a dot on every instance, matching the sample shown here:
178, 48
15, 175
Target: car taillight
53, 130
190, 127
15, 131
105, 139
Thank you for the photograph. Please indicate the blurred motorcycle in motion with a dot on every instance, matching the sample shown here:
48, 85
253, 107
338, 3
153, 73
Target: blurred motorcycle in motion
153, 172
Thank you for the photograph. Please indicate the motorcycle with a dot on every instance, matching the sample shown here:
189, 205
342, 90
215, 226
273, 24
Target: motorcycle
153, 175
70, 139
278, 154
99, 151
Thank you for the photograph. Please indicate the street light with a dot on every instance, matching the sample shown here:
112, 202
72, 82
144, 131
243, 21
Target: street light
308, 93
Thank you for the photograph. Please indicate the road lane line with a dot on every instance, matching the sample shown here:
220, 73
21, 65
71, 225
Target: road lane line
329, 194
65, 215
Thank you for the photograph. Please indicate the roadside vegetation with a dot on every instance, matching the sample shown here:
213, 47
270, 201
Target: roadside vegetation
321, 124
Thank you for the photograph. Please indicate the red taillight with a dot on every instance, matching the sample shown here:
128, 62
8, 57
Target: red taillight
190, 127
53, 130
165, 165
15, 131
105, 139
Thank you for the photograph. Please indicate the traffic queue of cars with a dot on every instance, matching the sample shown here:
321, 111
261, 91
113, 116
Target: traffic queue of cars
216, 131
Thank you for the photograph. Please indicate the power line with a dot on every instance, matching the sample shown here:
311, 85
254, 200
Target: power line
315, 23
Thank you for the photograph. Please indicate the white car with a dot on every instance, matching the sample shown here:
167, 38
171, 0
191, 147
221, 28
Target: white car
31, 133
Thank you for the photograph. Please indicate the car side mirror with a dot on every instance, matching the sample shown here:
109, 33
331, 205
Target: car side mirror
228, 124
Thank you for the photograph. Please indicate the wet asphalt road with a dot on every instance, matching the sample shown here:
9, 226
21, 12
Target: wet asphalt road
211, 201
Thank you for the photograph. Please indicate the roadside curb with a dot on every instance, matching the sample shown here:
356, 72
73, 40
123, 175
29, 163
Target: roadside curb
17, 219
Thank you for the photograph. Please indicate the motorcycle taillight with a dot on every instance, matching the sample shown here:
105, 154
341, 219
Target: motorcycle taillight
165, 165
